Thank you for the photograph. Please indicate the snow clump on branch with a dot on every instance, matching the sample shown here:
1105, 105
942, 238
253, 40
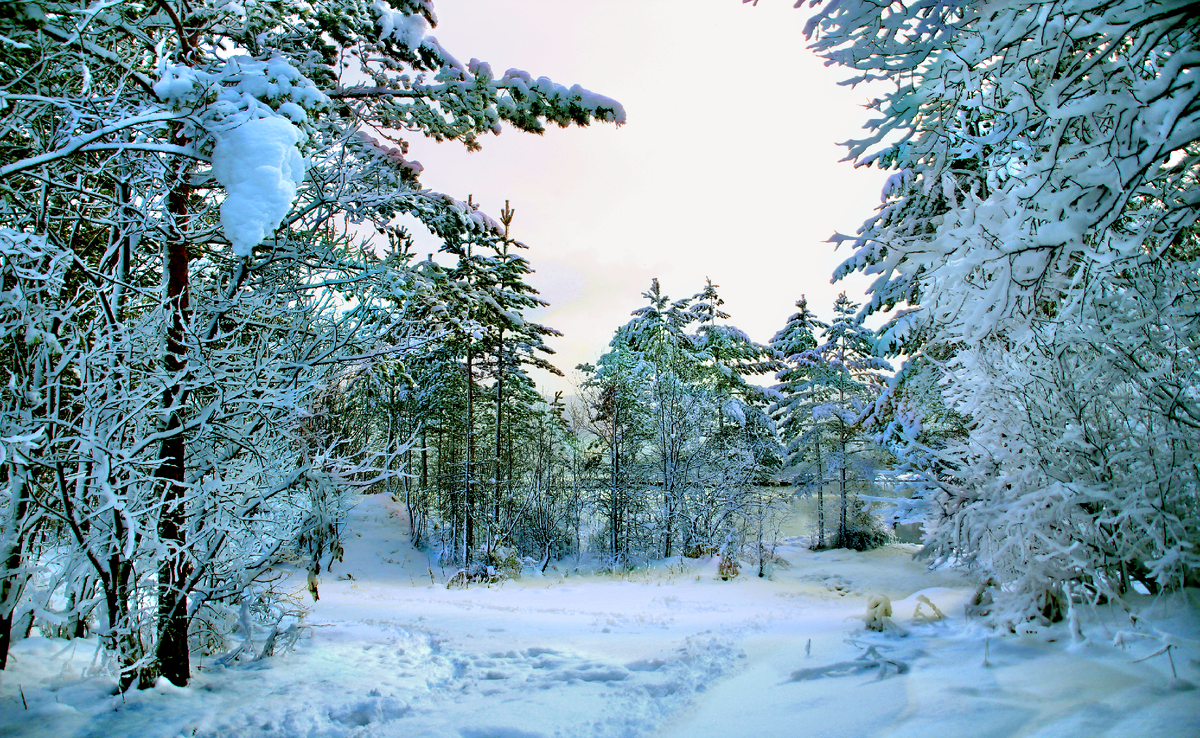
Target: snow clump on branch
238, 88
249, 110
260, 167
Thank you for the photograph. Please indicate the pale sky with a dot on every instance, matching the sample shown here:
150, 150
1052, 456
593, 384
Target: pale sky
727, 168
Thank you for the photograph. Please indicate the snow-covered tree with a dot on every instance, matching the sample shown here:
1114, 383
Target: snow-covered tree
1041, 225
515, 344
795, 345
193, 165
616, 418
673, 389
826, 393
670, 364
741, 451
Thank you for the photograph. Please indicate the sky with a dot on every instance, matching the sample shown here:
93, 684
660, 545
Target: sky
728, 167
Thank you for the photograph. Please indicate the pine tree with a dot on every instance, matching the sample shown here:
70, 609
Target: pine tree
796, 346
617, 419
518, 343
826, 395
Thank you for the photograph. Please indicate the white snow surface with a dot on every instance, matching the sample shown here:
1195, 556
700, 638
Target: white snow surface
665, 651
260, 167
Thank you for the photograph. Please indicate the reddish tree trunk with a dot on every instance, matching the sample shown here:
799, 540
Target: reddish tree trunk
175, 569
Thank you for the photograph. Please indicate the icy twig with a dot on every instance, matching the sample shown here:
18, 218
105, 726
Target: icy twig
871, 658
1165, 649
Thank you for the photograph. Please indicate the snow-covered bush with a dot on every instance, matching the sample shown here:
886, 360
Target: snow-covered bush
879, 613
727, 567
864, 530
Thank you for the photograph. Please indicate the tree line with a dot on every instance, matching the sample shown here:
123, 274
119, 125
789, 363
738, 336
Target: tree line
669, 449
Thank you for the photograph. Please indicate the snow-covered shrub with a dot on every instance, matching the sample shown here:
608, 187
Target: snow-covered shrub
212, 628
236, 628
477, 573
765, 559
507, 561
864, 530
934, 613
727, 568
879, 613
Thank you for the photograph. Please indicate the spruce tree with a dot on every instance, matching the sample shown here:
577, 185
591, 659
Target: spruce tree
849, 383
672, 364
826, 392
795, 345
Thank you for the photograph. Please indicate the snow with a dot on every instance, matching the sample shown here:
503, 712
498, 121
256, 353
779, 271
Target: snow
664, 651
240, 84
176, 81
250, 110
407, 30
260, 167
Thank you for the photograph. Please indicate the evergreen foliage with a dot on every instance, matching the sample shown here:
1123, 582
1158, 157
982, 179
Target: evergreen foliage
826, 393
697, 447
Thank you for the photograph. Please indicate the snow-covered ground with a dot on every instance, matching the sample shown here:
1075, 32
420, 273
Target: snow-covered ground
670, 651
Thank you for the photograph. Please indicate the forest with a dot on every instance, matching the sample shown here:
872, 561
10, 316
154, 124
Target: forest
216, 337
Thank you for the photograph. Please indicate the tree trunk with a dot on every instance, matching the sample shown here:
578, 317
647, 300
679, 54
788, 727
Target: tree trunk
842, 463
468, 518
118, 594
11, 584
499, 435
820, 500
174, 568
